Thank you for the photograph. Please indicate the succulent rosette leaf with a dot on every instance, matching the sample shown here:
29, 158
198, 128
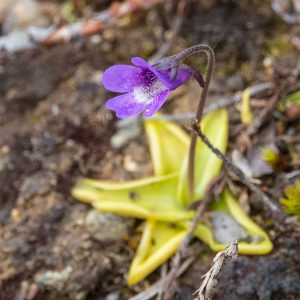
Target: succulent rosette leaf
156, 199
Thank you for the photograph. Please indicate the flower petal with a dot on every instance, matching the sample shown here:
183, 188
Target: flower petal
158, 101
182, 76
164, 76
139, 62
122, 78
125, 106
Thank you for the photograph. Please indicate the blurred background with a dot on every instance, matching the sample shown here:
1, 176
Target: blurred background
55, 129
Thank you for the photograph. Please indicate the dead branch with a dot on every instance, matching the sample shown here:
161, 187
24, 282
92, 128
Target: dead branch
156, 287
276, 211
209, 283
262, 118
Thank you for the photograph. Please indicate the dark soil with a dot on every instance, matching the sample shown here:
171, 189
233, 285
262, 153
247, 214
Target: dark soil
54, 130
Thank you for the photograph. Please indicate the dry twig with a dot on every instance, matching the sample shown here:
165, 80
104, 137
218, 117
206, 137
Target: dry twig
155, 288
255, 90
209, 283
262, 118
215, 187
276, 211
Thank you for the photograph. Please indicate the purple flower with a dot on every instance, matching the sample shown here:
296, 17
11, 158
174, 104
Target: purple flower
143, 87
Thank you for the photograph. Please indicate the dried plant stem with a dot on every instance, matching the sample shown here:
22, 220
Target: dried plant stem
210, 67
263, 116
169, 287
267, 201
155, 288
255, 90
209, 283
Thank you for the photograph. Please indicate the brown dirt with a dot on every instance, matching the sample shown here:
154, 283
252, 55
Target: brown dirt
54, 130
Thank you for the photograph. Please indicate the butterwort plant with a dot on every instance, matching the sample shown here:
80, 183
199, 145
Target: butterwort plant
163, 200
145, 87
158, 199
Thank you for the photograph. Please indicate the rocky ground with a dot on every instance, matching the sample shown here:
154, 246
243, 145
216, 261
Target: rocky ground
55, 129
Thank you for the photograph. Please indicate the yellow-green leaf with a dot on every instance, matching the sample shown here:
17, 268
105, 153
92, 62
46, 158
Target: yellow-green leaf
290, 100
291, 202
261, 243
158, 243
151, 198
168, 146
215, 126
245, 112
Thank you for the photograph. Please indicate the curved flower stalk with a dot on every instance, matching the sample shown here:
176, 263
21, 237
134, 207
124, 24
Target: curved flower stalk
143, 87
147, 87
174, 64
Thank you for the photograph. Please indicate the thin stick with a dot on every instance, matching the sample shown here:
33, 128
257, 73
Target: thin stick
276, 211
255, 90
263, 116
163, 275
169, 287
154, 289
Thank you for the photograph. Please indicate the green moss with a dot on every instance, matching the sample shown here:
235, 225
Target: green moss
279, 45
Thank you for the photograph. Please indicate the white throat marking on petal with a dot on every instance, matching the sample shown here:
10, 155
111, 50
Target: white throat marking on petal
146, 94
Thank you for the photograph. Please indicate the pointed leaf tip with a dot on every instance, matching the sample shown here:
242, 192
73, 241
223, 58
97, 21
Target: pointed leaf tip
158, 243
168, 146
